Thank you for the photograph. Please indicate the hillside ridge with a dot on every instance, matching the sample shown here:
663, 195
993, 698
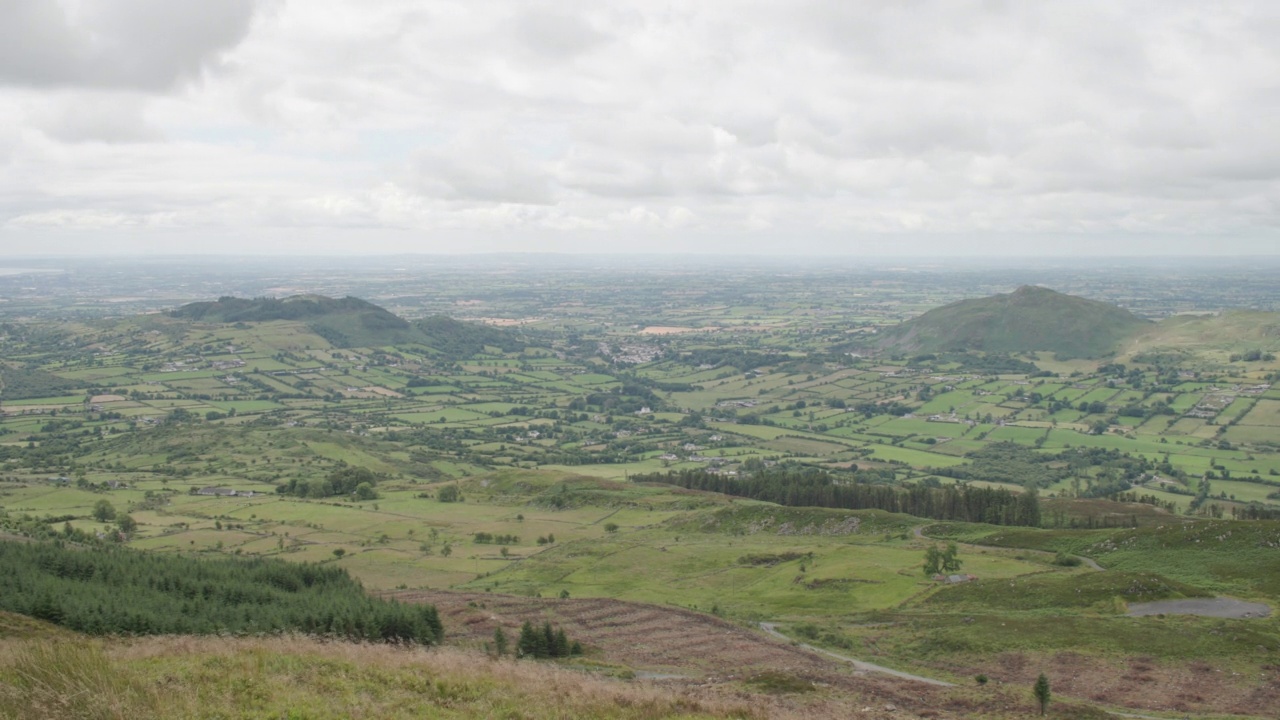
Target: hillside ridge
353, 322
1029, 319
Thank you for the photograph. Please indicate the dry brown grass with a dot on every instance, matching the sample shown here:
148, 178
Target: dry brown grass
300, 677
197, 677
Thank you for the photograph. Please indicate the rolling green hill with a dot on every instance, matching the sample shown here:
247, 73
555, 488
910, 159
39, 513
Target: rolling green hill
297, 307
345, 322
351, 322
1026, 320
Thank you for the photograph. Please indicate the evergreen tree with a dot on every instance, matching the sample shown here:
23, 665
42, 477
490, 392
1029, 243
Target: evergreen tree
1042, 693
547, 641
527, 644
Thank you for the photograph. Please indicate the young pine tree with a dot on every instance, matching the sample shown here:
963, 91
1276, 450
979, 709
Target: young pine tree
527, 643
1042, 693
560, 646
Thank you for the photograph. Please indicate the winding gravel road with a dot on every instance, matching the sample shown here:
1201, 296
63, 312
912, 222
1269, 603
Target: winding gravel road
772, 629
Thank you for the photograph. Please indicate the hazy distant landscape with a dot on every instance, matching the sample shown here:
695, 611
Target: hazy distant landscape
517, 439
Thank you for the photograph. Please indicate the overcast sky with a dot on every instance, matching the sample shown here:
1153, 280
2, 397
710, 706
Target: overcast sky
790, 126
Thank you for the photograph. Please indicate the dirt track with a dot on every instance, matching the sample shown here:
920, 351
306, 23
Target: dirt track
772, 629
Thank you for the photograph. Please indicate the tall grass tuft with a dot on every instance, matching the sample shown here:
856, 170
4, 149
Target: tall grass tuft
62, 679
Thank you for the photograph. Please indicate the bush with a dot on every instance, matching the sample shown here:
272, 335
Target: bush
1066, 560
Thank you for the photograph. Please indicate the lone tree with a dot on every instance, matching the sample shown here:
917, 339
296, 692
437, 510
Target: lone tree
1042, 693
104, 511
126, 524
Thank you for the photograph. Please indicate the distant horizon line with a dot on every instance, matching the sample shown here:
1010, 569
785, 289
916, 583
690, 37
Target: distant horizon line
11, 258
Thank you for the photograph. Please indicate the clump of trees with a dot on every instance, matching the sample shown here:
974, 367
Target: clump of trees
346, 480
484, 538
942, 561
113, 590
546, 642
1008, 462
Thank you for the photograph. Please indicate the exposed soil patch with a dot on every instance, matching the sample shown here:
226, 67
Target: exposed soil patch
688, 649
1140, 683
674, 645
1204, 607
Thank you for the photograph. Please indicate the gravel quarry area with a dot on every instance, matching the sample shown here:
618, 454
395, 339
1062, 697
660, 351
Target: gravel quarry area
1213, 607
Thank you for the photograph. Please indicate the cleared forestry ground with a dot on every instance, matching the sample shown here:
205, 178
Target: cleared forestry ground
680, 648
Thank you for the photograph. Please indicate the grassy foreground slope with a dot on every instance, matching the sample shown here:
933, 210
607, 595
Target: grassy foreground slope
58, 676
182, 677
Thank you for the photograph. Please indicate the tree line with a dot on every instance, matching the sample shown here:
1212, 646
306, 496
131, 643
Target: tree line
106, 590
812, 487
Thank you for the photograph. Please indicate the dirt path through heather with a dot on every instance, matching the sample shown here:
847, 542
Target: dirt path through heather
772, 629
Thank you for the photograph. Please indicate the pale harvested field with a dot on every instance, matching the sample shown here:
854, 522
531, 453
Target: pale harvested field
505, 322
673, 330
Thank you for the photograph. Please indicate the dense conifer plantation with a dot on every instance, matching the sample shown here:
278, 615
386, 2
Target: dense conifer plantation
810, 487
113, 590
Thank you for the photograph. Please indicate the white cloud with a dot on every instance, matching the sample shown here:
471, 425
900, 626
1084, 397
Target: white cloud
816, 125
136, 44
